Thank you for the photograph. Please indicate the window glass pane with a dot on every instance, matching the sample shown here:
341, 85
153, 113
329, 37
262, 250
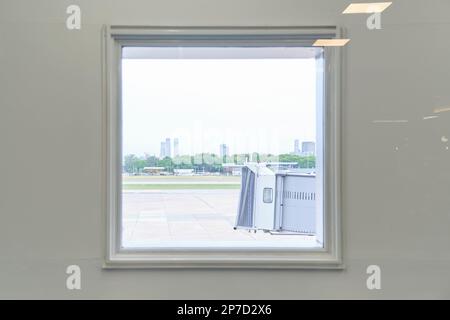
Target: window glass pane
205, 134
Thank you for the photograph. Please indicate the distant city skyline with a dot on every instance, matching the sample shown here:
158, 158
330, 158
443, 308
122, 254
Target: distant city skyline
307, 148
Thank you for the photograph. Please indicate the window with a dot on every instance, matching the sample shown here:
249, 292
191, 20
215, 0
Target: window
268, 195
222, 142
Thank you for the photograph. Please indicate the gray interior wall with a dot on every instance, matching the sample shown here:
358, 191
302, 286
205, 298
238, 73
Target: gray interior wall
395, 177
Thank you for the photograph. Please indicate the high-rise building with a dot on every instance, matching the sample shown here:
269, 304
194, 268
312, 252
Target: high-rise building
297, 147
308, 148
223, 150
162, 151
176, 147
168, 149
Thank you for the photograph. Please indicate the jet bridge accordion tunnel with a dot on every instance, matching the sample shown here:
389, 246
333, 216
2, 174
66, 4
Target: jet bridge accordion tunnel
277, 202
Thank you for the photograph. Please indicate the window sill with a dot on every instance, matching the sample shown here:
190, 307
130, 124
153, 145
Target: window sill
224, 260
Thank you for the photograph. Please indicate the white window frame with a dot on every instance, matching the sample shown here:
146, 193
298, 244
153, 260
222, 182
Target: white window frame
330, 256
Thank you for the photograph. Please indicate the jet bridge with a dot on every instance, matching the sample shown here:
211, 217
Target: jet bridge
278, 202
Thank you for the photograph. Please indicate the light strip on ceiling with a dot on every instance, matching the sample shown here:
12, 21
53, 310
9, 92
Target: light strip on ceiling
330, 42
439, 110
373, 7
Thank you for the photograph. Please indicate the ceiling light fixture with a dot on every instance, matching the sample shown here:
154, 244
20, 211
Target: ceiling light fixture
330, 42
439, 110
374, 7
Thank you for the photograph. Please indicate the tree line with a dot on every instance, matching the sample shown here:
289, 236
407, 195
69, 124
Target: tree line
209, 162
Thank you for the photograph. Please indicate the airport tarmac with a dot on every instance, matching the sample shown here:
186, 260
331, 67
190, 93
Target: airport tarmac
191, 218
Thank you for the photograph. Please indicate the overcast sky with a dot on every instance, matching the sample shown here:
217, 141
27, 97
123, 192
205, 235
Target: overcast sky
252, 105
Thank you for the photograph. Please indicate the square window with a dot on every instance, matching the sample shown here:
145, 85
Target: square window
214, 141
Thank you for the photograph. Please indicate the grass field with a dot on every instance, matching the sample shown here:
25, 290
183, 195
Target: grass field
180, 182
187, 179
180, 186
